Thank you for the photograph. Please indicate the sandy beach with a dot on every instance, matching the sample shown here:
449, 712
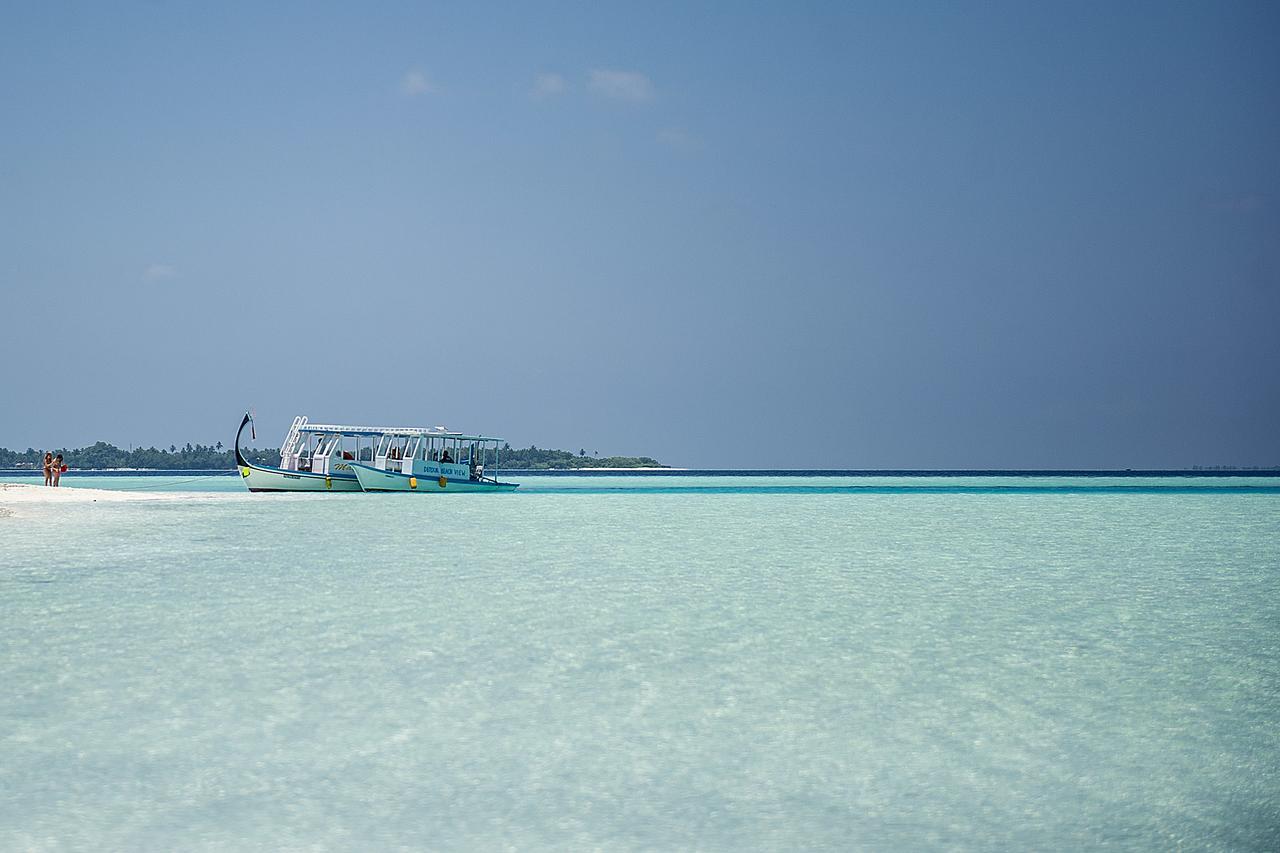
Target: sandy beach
617, 470
15, 496
25, 493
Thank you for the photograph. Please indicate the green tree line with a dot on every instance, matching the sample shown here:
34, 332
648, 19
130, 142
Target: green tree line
198, 456
104, 455
536, 459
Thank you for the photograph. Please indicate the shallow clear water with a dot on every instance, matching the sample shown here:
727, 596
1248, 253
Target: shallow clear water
646, 663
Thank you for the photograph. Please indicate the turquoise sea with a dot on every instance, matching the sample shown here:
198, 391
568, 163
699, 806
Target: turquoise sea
628, 663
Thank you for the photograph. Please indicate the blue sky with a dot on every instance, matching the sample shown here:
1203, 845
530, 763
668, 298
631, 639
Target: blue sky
748, 235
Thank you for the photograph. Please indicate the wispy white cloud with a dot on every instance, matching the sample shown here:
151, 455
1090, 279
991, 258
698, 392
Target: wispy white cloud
679, 139
548, 85
415, 83
621, 85
155, 272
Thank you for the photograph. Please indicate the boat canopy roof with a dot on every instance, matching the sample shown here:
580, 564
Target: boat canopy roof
412, 432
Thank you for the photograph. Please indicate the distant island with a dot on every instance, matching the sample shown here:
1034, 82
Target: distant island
199, 457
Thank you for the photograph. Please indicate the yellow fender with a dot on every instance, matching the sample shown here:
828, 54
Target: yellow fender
328, 483
244, 471
444, 481
413, 482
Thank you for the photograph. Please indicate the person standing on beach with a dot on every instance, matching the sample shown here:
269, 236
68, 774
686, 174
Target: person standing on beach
48, 468
57, 468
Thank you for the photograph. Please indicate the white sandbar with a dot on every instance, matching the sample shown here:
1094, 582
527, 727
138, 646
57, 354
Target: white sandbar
619, 470
30, 493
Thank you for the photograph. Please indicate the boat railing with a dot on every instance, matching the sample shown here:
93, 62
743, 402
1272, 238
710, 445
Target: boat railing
288, 459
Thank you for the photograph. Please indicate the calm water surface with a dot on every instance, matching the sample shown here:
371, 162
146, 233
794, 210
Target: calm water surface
1029, 663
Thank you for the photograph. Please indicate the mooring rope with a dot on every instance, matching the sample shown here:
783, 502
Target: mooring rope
154, 488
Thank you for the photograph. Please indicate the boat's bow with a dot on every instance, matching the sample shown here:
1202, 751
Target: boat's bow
264, 478
241, 462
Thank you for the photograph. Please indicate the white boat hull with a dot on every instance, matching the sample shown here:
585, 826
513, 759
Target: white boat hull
377, 480
262, 478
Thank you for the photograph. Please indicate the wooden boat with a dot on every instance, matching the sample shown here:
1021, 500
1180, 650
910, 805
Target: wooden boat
313, 458
348, 458
431, 461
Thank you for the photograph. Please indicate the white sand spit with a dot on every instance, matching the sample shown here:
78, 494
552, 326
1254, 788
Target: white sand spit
27, 493
619, 470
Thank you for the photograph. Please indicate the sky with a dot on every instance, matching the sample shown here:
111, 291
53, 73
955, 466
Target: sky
845, 235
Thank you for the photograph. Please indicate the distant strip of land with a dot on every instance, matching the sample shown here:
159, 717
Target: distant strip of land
198, 457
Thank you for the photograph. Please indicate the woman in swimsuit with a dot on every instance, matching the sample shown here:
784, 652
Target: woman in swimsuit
48, 469
57, 468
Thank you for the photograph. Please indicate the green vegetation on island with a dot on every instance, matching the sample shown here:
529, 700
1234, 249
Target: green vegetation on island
193, 457
103, 455
534, 459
